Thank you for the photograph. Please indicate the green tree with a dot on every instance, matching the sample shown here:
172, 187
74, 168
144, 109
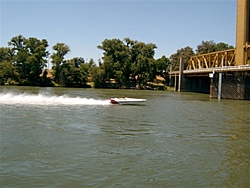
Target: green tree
77, 72
115, 60
123, 61
59, 64
7, 70
223, 46
142, 60
91, 70
160, 66
37, 58
98, 76
6, 54
185, 53
211, 46
206, 47
19, 55
29, 58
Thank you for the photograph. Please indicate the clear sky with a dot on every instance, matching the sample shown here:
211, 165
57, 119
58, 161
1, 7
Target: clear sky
84, 24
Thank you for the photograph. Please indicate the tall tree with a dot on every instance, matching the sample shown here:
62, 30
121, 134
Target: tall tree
115, 59
142, 60
29, 58
161, 65
206, 47
6, 54
223, 46
20, 55
36, 60
76, 73
123, 61
8, 74
185, 53
91, 69
211, 46
59, 64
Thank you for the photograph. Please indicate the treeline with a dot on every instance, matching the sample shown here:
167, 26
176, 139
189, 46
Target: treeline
125, 63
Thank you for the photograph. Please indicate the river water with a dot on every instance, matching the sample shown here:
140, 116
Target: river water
56, 137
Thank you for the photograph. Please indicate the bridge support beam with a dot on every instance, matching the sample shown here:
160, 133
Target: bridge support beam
181, 75
219, 85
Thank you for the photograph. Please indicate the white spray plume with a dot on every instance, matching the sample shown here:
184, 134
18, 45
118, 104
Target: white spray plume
42, 99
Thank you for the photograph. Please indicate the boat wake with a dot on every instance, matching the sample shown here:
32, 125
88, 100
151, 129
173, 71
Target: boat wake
43, 99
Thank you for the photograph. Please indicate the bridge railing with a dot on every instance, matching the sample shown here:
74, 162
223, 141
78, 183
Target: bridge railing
211, 60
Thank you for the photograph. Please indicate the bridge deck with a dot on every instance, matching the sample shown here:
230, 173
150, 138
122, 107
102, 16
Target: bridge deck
214, 69
219, 69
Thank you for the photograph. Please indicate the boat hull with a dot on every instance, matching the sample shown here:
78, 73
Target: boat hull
127, 101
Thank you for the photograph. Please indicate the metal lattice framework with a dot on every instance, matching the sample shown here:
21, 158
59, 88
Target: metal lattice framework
211, 60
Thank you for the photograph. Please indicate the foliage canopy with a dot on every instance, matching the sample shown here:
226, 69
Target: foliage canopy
125, 63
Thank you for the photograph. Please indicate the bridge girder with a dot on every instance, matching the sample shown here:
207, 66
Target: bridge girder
211, 60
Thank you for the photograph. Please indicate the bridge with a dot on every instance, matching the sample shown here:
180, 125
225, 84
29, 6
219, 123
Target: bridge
223, 74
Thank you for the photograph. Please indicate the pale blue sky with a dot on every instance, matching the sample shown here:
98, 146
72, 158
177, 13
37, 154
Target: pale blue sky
83, 24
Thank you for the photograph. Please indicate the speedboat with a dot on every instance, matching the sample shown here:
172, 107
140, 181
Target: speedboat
128, 101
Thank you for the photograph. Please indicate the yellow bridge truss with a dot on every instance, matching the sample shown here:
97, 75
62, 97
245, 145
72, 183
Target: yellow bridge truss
210, 60
216, 59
